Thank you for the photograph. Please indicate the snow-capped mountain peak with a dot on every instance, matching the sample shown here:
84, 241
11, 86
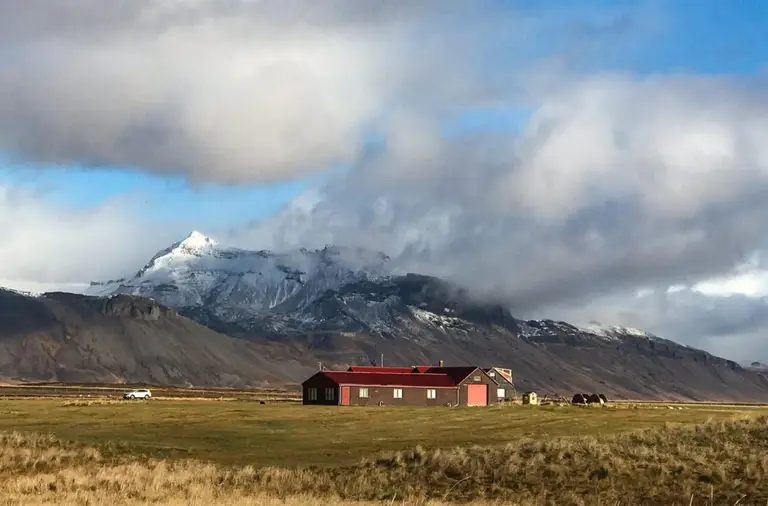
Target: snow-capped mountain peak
197, 241
179, 254
199, 272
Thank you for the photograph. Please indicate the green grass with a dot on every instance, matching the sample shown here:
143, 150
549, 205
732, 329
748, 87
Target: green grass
239, 432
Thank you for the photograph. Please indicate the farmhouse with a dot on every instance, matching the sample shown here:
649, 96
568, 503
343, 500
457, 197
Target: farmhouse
401, 386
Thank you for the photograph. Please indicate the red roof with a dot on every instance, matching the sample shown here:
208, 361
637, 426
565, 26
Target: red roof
457, 374
389, 379
422, 368
368, 368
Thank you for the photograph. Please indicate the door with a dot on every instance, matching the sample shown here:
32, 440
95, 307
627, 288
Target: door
345, 396
477, 395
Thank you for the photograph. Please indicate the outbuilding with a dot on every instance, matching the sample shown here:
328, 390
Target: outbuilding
505, 391
579, 399
595, 399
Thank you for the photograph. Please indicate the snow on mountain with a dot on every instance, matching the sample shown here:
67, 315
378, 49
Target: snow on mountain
609, 331
329, 289
594, 330
199, 272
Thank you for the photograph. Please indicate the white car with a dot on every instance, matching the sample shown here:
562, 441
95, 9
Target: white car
141, 393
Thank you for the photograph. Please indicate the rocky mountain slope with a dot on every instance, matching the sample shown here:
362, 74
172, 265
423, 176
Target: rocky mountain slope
341, 306
74, 338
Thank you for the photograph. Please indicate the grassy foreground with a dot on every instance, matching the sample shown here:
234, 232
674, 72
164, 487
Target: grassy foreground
247, 433
720, 462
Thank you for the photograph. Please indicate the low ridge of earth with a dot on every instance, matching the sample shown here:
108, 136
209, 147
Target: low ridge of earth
206, 314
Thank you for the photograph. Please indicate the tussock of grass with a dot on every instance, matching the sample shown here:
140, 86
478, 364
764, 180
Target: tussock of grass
719, 462
660, 465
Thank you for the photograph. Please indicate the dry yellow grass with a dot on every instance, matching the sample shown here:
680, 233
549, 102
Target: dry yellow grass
720, 462
284, 435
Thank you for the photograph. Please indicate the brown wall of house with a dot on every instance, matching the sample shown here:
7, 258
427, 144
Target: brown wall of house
478, 377
509, 392
320, 383
412, 396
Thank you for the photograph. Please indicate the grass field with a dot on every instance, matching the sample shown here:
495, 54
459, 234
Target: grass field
244, 453
249, 433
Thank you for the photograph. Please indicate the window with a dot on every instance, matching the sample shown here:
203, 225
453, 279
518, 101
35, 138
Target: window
476, 378
312, 394
500, 393
363, 393
330, 394
431, 394
492, 374
398, 393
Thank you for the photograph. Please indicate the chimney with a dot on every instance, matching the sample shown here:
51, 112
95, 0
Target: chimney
441, 364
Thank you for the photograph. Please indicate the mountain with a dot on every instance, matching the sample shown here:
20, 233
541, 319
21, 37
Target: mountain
234, 283
75, 338
342, 306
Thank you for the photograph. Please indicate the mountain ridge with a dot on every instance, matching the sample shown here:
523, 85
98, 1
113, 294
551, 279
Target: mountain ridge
67, 337
345, 306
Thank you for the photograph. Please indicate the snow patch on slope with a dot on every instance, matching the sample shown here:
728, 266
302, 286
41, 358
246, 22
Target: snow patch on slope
610, 331
434, 318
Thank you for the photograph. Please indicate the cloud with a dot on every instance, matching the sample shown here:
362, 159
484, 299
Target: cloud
46, 247
725, 323
615, 182
235, 91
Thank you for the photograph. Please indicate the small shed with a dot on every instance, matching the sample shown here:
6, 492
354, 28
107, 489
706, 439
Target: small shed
531, 398
579, 399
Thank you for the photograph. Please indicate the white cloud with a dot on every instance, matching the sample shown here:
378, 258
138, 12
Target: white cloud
46, 247
597, 194
236, 91
617, 184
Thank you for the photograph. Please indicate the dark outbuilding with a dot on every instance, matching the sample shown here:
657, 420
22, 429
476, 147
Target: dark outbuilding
579, 399
594, 399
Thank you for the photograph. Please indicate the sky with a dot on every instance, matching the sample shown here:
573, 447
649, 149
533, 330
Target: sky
580, 160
